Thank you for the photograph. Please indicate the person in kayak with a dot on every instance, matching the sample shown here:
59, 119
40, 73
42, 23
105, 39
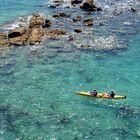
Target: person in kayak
94, 93
112, 94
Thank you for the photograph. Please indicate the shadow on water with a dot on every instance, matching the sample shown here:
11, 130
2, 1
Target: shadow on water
7, 69
12, 120
129, 116
7, 73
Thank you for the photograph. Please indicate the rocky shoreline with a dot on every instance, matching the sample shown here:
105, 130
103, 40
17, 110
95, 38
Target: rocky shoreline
38, 27
31, 35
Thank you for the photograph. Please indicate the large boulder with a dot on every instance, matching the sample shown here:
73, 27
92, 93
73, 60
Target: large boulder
19, 36
36, 36
16, 32
36, 21
16, 41
89, 5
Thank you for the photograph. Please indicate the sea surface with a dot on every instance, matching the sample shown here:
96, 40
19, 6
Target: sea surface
38, 83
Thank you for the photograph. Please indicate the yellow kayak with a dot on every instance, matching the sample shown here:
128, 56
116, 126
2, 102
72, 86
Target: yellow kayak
101, 95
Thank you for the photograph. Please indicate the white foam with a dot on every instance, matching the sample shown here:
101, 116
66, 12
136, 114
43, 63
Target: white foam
106, 43
12, 26
127, 23
16, 24
34, 48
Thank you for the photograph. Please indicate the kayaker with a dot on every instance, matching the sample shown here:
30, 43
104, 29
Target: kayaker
112, 94
94, 93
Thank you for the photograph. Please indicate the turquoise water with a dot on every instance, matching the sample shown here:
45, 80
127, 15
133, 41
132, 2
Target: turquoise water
37, 99
12, 9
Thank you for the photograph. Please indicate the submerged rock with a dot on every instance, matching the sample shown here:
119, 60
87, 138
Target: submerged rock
78, 30
101, 24
77, 18
56, 3
47, 23
117, 12
137, 134
133, 10
55, 32
106, 43
127, 112
65, 120
74, 2
88, 22
4, 108
61, 14
70, 38
85, 46
121, 132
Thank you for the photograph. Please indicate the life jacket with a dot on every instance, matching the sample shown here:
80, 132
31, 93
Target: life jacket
93, 93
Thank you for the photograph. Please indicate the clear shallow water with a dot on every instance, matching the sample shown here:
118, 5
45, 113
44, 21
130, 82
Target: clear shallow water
37, 99
12, 9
